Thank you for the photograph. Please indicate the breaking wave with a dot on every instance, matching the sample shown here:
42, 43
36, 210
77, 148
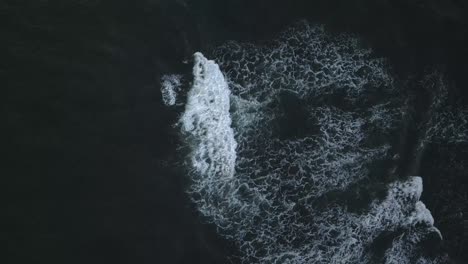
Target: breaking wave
283, 142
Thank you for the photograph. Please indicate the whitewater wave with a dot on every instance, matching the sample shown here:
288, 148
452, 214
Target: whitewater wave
282, 196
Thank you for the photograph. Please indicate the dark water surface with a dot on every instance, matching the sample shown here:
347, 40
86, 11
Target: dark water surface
89, 144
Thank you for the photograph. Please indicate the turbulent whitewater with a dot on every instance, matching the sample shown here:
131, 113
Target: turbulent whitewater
282, 137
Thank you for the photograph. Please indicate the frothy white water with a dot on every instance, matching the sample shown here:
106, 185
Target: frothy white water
262, 190
305, 59
170, 87
206, 125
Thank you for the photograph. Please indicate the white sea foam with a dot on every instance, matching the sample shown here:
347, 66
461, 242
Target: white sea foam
206, 125
262, 191
170, 87
305, 59
448, 123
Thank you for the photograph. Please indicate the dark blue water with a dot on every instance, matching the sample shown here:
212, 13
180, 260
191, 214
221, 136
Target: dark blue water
89, 144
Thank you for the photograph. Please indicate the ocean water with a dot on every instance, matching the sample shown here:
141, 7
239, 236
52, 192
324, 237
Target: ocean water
325, 139
293, 150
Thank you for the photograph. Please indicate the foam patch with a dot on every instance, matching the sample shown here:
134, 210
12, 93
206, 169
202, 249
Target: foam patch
264, 191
